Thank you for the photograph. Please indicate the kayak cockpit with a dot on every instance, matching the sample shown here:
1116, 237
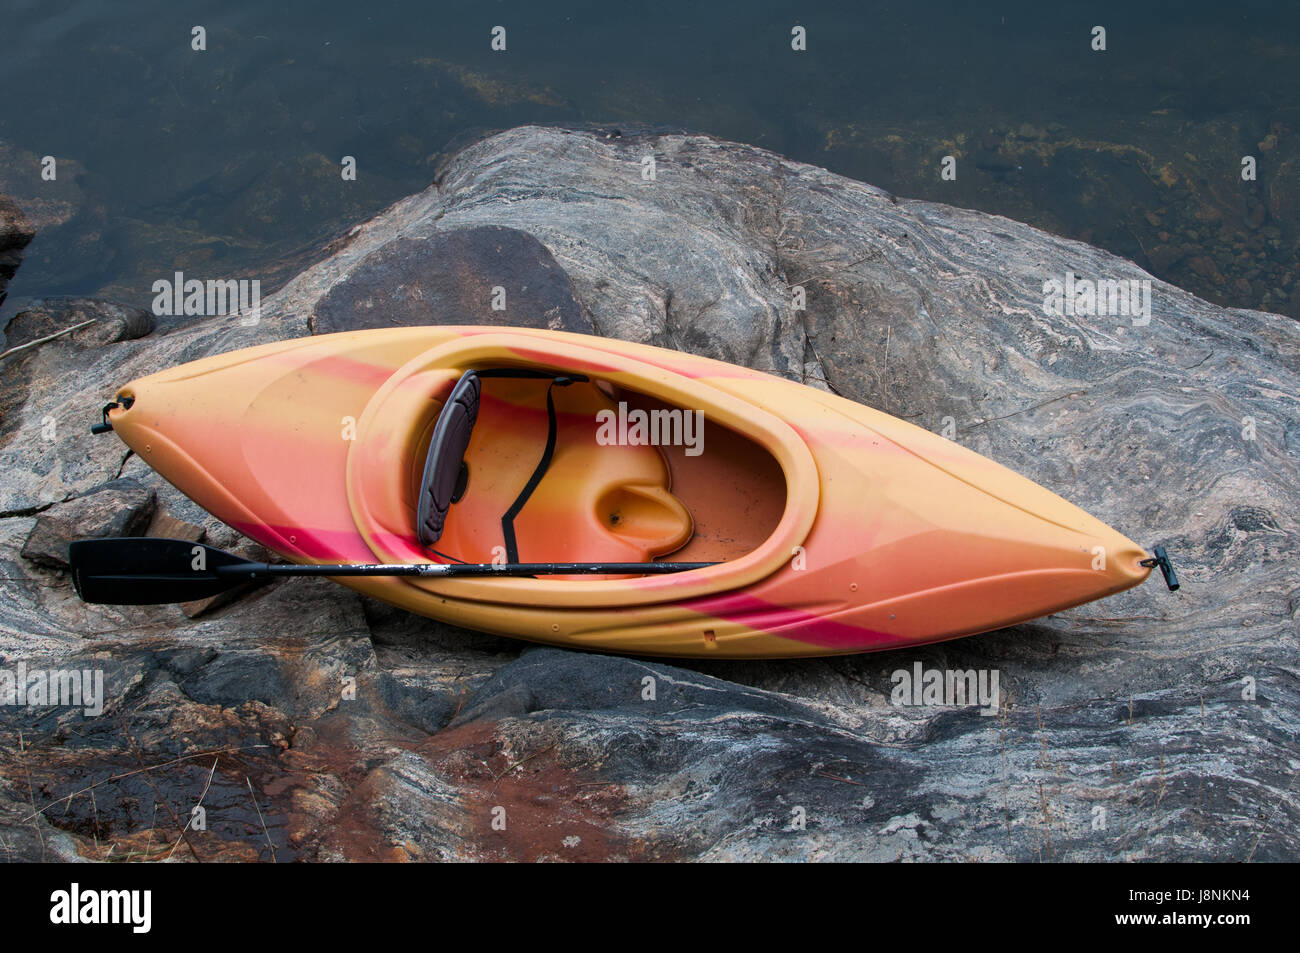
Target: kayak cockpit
741, 493
541, 466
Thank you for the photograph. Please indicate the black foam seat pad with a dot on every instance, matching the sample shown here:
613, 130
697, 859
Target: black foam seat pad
442, 467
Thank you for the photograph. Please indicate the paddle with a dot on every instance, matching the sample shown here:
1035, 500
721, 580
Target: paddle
137, 571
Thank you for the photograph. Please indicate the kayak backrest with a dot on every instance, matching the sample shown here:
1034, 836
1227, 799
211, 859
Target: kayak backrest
546, 486
445, 473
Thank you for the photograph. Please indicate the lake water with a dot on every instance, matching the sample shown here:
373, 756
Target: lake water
225, 162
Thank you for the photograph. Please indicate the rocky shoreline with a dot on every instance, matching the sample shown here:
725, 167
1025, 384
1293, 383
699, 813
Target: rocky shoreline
323, 726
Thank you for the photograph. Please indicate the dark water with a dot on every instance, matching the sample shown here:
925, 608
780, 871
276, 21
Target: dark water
225, 163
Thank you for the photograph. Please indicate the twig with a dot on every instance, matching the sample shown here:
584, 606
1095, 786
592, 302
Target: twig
836, 777
94, 810
200, 804
843, 268
884, 375
1025, 410
48, 337
1047, 820
817, 377
148, 779
1264, 829
535, 754
31, 795
808, 339
128, 774
261, 818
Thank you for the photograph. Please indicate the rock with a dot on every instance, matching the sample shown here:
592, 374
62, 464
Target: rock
112, 322
46, 204
991, 160
1204, 266
454, 275
199, 607
1256, 215
1150, 726
1163, 257
1284, 193
37, 366
70, 213
118, 508
165, 526
15, 234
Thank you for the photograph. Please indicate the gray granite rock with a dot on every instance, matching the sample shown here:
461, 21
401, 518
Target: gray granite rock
116, 508
454, 275
1151, 726
97, 322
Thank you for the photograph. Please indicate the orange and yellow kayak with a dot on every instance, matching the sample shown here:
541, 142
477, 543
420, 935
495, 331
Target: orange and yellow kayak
831, 527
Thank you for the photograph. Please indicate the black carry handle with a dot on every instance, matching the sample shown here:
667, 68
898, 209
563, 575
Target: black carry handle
1161, 561
105, 425
136, 571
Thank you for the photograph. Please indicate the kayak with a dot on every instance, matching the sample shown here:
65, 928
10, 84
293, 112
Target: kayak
805, 524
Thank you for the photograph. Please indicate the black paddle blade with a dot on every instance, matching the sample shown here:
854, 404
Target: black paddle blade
144, 571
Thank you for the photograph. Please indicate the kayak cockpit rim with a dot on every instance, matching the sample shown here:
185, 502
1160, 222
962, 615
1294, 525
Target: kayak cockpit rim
404, 397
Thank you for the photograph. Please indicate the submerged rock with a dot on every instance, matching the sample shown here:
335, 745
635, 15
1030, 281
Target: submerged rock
15, 235
1149, 726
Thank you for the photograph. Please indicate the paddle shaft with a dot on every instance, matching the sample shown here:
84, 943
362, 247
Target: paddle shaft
254, 570
148, 571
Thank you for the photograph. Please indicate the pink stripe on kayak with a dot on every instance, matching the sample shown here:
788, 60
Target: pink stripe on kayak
806, 627
795, 624
340, 367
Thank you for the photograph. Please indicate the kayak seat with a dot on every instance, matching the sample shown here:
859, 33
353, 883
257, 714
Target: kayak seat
445, 473
541, 487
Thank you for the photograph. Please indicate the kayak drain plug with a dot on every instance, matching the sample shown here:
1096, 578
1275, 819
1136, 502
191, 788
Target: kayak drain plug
105, 427
1161, 561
